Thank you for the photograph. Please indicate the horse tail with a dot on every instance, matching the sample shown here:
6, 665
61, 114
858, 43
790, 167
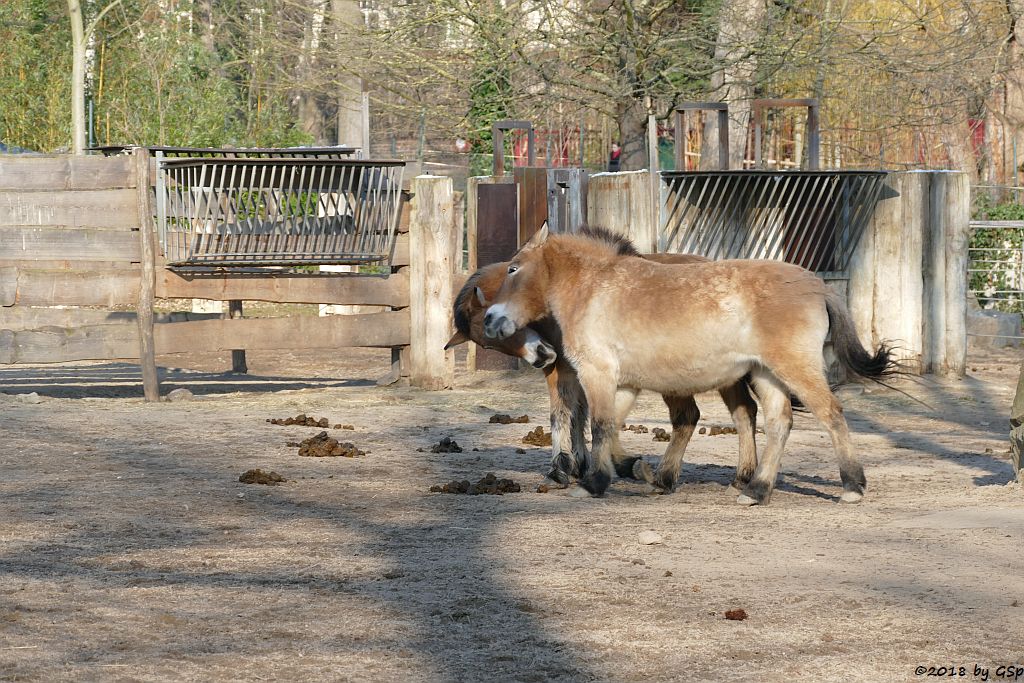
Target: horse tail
848, 349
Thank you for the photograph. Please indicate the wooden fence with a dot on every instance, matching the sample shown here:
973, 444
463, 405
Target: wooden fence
70, 236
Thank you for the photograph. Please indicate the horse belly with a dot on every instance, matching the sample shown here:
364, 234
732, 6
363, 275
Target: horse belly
685, 375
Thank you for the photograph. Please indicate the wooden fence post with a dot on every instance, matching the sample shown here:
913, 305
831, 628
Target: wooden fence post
431, 236
147, 288
946, 273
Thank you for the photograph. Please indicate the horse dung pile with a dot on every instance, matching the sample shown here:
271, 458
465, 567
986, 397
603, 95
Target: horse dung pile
537, 437
324, 446
489, 484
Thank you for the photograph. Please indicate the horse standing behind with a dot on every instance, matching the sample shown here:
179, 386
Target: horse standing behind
683, 329
568, 402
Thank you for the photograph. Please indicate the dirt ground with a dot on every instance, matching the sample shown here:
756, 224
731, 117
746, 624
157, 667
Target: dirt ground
130, 551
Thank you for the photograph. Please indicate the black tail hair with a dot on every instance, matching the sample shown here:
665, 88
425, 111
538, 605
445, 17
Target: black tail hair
848, 349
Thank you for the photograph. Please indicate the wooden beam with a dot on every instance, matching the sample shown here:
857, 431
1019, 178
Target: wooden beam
432, 232
26, 243
147, 283
353, 289
386, 329
8, 285
110, 209
33, 287
121, 342
31, 318
66, 173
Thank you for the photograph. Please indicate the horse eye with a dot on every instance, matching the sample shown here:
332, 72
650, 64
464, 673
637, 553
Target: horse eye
513, 268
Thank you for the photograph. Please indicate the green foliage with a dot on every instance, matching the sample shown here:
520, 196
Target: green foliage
153, 81
997, 257
35, 72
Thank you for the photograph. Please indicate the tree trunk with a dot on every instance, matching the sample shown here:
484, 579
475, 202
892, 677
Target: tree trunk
350, 101
741, 23
632, 117
311, 119
77, 77
1013, 109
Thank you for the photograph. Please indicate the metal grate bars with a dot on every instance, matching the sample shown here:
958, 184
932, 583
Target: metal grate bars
811, 218
277, 211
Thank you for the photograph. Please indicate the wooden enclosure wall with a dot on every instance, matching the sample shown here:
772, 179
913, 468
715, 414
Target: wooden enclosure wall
69, 236
908, 277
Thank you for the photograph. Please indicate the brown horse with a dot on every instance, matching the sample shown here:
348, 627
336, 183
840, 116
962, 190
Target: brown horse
683, 329
568, 402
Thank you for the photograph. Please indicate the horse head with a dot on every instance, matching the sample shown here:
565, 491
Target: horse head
469, 310
520, 299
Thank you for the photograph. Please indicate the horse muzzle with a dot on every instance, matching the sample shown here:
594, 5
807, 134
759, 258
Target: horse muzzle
497, 325
542, 354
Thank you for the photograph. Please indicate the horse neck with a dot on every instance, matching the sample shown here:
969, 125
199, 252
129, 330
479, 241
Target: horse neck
571, 267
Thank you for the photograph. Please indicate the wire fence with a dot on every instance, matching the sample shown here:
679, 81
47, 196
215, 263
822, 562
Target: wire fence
996, 265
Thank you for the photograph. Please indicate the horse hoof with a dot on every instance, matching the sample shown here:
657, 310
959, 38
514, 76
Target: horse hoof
626, 467
643, 472
596, 483
560, 478
578, 492
851, 497
744, 499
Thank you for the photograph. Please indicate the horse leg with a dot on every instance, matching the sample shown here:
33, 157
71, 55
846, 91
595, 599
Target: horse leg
626, 466
778, 422
599, 387
812, 389
743, 409
565, 395
684, 414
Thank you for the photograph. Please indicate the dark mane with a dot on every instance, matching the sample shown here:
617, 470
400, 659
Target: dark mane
462, 300
622, 244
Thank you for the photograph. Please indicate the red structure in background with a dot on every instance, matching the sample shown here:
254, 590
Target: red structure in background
556, 148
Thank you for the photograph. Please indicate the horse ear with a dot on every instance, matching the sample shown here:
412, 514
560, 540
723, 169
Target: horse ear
539, 238
457, 338
481, 299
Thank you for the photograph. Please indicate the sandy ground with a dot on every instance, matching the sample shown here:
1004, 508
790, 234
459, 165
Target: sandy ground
130, 551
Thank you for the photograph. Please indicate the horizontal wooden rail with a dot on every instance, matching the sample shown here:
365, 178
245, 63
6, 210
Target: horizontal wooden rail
110, 209
121, 342
66, 173
26, 243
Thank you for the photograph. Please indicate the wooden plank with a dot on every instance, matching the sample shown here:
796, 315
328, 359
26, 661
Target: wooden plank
532, 183
121, 342
64, 264
354, 289
31, 318
66, 173
621, 202
945, 276
401, 256
8, 285
20, 243
34, 287
110, 209
59, 345
386, 329
147, 282
432, 231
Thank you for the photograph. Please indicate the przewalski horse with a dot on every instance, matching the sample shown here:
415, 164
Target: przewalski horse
540, 345
682, 329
